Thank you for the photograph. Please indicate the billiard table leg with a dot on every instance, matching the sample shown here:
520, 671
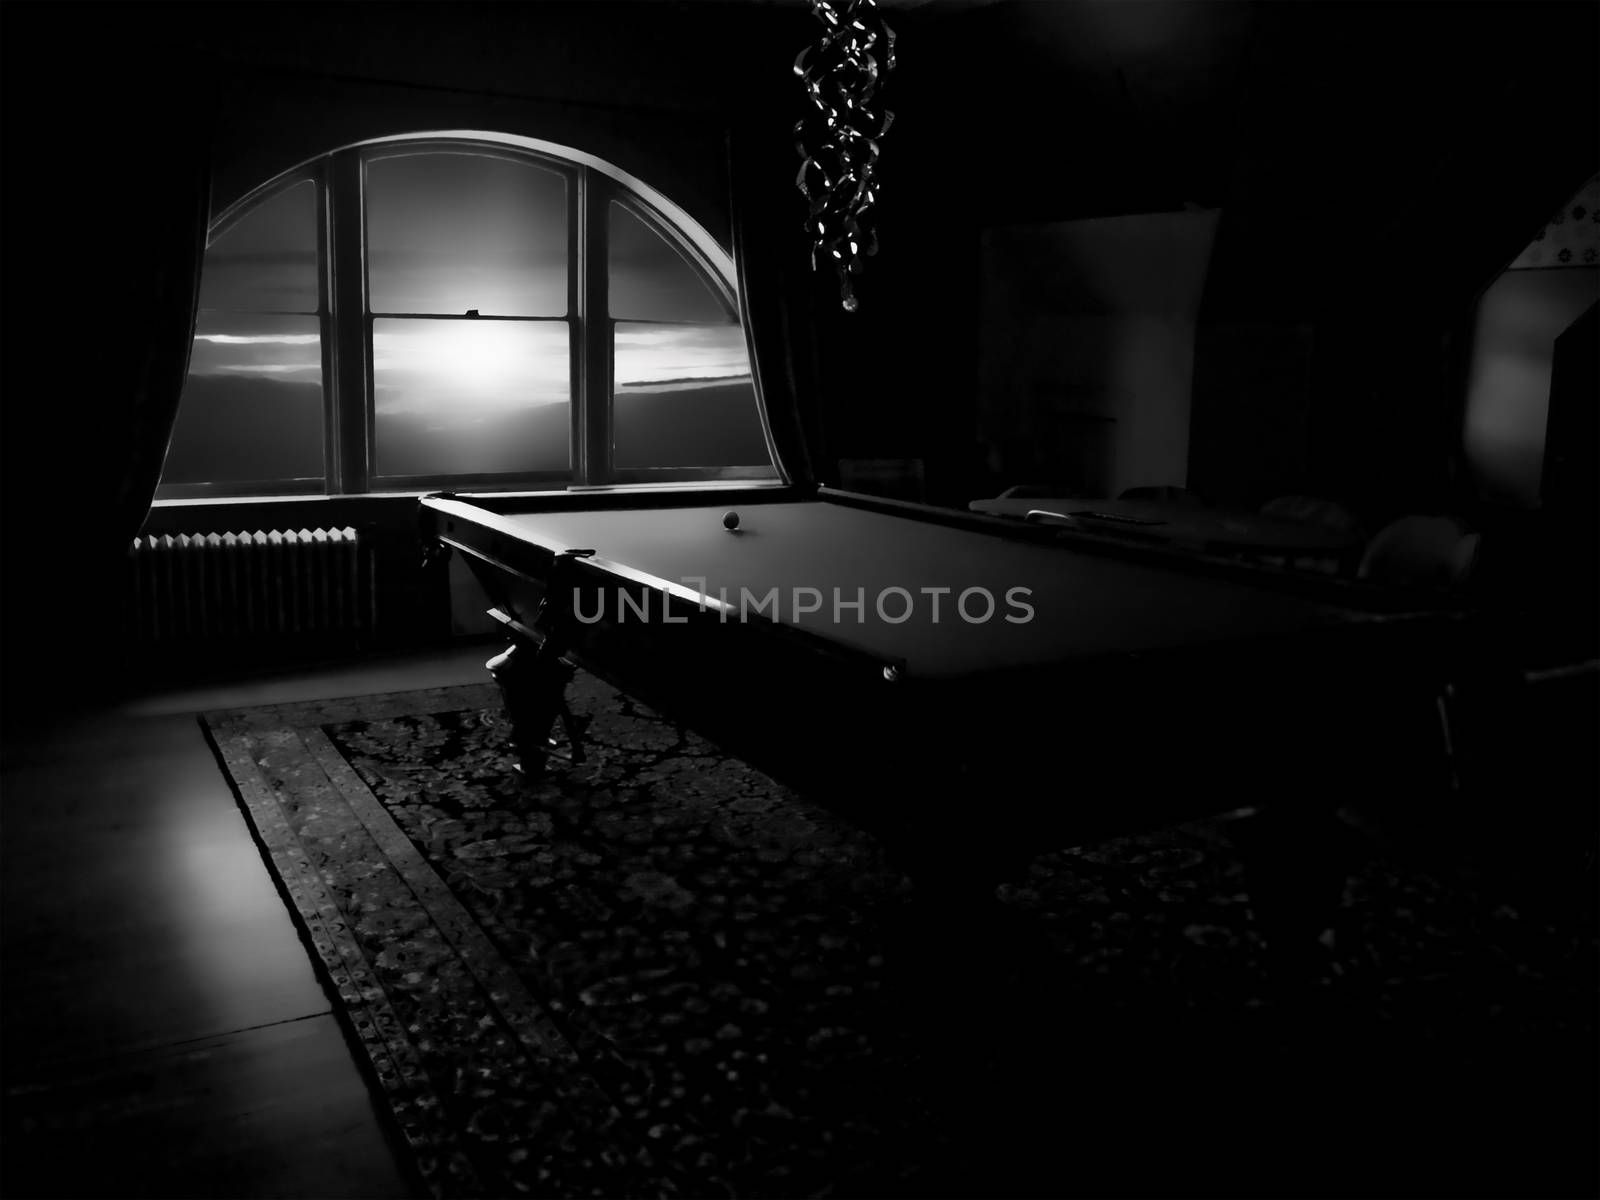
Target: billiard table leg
533, 683
533, 673
961, 961
956, 929
1297, 855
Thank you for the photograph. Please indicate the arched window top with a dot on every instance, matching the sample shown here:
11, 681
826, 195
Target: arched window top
713, 255
468, 309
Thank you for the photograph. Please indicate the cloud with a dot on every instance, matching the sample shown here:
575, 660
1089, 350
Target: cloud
259, 339
265, 369
668, 353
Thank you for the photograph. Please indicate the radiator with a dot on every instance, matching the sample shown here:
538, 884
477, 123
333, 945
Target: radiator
249, 586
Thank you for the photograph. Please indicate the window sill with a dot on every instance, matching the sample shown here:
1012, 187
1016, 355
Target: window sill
229, 501
681, 485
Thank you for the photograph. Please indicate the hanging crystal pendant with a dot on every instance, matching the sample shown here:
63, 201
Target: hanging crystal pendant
837, 139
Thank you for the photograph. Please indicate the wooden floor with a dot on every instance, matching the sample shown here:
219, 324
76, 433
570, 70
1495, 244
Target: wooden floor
163, 1031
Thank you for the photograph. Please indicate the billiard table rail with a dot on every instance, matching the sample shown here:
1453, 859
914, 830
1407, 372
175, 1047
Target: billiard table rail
1360, 594
489, 540
1343, 590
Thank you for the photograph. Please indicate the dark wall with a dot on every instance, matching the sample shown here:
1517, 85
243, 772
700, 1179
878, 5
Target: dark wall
1376, 166
648, 87
1377, 194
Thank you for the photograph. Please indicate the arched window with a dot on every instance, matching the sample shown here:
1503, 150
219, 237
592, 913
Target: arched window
463, 310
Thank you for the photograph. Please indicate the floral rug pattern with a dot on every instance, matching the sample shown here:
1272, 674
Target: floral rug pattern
660, 974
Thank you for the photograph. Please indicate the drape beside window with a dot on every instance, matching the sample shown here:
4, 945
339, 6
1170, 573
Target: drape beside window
778, 292
106, 208
168, 284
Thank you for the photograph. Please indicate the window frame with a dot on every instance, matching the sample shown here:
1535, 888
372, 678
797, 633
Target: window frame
349, 450
728, 295
371, 478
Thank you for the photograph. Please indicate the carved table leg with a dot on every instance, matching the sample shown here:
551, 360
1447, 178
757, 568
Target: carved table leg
533, 684
1296, 858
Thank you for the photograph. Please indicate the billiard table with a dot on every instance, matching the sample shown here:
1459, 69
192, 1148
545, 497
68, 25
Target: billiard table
971, 689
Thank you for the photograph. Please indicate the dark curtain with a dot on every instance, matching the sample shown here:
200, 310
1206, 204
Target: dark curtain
778, 290
164, 289
106, 203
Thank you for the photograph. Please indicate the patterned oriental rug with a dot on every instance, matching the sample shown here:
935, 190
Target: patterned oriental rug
661, 974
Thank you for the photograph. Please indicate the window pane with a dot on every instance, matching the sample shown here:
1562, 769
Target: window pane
252, 405
683, 397
651, 281
447, 233
268, 259
470, 397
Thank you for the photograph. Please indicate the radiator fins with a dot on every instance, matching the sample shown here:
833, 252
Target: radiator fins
266, 584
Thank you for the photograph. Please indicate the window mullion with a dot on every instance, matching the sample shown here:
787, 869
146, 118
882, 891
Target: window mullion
351, 328
594, 331
331, 475
578, 452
